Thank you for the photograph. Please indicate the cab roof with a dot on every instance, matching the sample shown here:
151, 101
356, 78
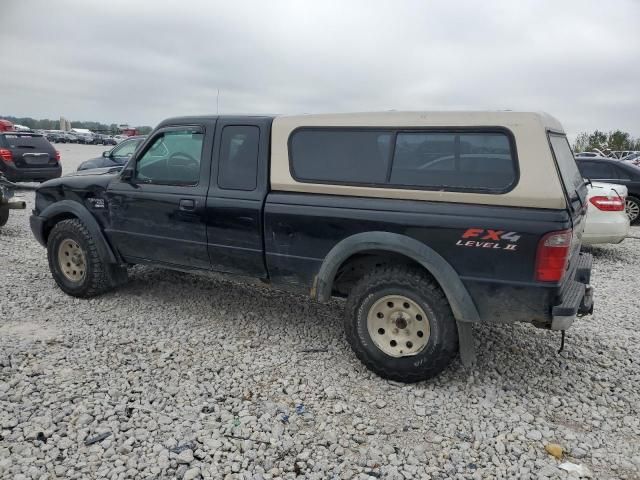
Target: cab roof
394, 118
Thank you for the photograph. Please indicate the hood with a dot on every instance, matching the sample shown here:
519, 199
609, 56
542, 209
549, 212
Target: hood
99, 162
97, 178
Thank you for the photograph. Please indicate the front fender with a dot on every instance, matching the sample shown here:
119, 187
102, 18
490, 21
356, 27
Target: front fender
462, 305
39, 222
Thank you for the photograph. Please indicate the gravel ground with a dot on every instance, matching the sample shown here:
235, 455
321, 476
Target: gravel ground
181, 376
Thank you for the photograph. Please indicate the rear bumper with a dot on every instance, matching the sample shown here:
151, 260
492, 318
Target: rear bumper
576, 298
612, 228
16, 174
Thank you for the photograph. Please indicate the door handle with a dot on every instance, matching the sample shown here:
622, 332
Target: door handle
187, 205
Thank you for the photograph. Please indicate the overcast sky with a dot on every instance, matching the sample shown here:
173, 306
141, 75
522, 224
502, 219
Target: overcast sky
137, 62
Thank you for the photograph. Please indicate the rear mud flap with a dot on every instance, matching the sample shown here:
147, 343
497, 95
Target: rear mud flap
466, 343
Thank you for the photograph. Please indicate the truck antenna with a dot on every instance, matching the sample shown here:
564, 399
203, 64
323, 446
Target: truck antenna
217, 100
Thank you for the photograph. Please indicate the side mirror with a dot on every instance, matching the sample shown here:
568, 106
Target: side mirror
126, 175
106, 153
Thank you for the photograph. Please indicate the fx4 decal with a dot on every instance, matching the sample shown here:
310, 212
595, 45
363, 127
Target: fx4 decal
488, 238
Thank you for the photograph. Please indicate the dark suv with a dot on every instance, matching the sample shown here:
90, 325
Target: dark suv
426, 222
26, 157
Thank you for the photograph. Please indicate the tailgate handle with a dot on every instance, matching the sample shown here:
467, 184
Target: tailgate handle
187, 205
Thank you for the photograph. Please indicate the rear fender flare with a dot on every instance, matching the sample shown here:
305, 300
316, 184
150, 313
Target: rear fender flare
462, 305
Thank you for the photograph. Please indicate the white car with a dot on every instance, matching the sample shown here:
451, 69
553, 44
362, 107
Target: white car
606, 221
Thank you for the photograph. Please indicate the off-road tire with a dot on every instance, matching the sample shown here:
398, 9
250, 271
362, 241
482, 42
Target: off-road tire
4, 216
442, 345
100, 276
635, 200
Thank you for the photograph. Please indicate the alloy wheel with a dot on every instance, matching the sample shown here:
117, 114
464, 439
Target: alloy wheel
632, 209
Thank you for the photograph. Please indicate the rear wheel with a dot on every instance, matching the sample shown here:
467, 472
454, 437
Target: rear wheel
75, 262
4, 216
400, 325
632, 208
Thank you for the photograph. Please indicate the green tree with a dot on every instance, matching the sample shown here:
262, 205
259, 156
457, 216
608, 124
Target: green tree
597, 140
582, 142
619, 140
616, 140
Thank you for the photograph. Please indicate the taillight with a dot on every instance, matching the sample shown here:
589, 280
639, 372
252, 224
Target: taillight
608, 204
553, 255
57, 155
6, 155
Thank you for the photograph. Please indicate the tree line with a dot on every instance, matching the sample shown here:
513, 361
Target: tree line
616, 140
47, 124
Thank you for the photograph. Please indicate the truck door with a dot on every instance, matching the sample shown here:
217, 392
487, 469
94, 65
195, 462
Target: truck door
238, 187
157, 206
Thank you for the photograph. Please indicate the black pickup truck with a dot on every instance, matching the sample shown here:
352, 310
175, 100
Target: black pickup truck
426, 222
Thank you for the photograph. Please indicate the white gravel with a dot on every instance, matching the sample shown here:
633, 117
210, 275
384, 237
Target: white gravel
180, 376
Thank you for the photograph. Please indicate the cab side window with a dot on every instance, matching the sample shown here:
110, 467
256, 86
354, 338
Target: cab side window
238, 166
173, 158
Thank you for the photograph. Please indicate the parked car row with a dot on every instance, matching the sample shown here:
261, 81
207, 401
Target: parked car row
626, 155
84, 138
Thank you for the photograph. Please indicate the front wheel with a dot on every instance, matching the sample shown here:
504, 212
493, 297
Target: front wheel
75, 262
632, 208
400, 325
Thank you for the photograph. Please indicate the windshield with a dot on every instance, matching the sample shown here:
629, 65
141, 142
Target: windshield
569, 172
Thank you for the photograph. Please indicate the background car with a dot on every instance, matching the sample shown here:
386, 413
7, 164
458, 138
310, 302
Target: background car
56, 137
109, 140
607, 221
120, 138
614, 171
70, 137
85, 138
633, 157
117, 156
28, 157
